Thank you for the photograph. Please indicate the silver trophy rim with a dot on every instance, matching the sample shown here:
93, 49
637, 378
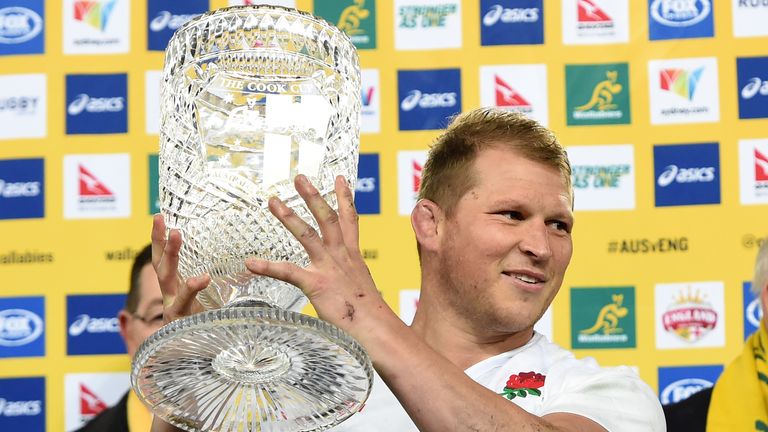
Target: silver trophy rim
221, 317
198, 20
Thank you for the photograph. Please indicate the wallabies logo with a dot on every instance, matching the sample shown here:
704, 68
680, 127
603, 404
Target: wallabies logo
603, 317
608, 319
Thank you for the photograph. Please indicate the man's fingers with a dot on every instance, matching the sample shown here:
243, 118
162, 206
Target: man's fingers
158, 239
327, 218
348, 217
185, 299
304, 233
167, 268
284, 271
184, 303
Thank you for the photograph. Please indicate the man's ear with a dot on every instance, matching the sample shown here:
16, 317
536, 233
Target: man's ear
124, 319
427, 222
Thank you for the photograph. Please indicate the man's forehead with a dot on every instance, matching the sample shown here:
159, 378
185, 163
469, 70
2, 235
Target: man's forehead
495, 160
487, 164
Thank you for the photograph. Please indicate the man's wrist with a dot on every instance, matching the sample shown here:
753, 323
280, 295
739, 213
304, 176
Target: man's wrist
379, 330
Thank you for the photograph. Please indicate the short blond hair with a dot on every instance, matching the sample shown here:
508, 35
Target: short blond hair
447, 174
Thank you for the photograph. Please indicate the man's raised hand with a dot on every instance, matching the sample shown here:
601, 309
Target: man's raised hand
178, 297
337, 282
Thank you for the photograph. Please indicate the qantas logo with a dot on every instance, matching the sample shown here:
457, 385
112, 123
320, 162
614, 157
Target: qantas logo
680, 81
590, 13
94, 13
90, 404
508, 97
416, 175
761, 166
90, 186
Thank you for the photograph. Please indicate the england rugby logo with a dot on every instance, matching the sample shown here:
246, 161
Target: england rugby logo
690, 317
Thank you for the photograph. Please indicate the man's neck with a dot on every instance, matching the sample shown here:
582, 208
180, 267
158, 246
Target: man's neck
458, 341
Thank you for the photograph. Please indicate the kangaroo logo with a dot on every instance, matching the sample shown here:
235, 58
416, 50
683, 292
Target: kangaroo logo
602, 95
350, 18
608, 318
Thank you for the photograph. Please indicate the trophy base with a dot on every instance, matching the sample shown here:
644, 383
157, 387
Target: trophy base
252, 369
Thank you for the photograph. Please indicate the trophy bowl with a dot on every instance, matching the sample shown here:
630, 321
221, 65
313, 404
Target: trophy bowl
252, 96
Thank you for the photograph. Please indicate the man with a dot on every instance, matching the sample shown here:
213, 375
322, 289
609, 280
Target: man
739, 399
142, 316
493, 228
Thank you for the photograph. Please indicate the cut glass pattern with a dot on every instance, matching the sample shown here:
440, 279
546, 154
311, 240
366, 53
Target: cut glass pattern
251, 97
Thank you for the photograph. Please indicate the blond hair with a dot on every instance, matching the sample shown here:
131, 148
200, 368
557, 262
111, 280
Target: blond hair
447, 174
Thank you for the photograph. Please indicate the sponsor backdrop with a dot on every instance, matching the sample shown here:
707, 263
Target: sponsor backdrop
661, 103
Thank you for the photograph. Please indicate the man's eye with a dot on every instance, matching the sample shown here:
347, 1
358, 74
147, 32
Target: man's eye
515, 215
156, 319
560, 226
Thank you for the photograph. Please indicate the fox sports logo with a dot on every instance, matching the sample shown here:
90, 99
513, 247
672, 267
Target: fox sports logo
683, 389
18, 25
19, 327
680, 13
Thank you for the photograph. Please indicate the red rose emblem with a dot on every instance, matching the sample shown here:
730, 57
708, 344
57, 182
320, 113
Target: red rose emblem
523, 384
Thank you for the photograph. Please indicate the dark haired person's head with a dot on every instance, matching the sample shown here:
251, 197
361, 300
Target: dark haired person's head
143, 312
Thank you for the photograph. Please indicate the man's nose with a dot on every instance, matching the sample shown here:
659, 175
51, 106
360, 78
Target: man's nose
535, 241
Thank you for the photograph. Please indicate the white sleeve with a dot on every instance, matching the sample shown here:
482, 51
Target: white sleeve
615, 398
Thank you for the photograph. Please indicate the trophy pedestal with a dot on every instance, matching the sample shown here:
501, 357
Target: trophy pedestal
252, 369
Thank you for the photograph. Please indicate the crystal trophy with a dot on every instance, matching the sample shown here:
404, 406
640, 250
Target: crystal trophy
252, 96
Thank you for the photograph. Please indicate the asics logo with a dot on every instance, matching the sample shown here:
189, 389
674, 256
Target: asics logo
753, 87
498, 13
19, 189
83, 102
428, 100
166, 20
672, 173
85, 324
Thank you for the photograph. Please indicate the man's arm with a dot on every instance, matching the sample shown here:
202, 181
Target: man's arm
437, 395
